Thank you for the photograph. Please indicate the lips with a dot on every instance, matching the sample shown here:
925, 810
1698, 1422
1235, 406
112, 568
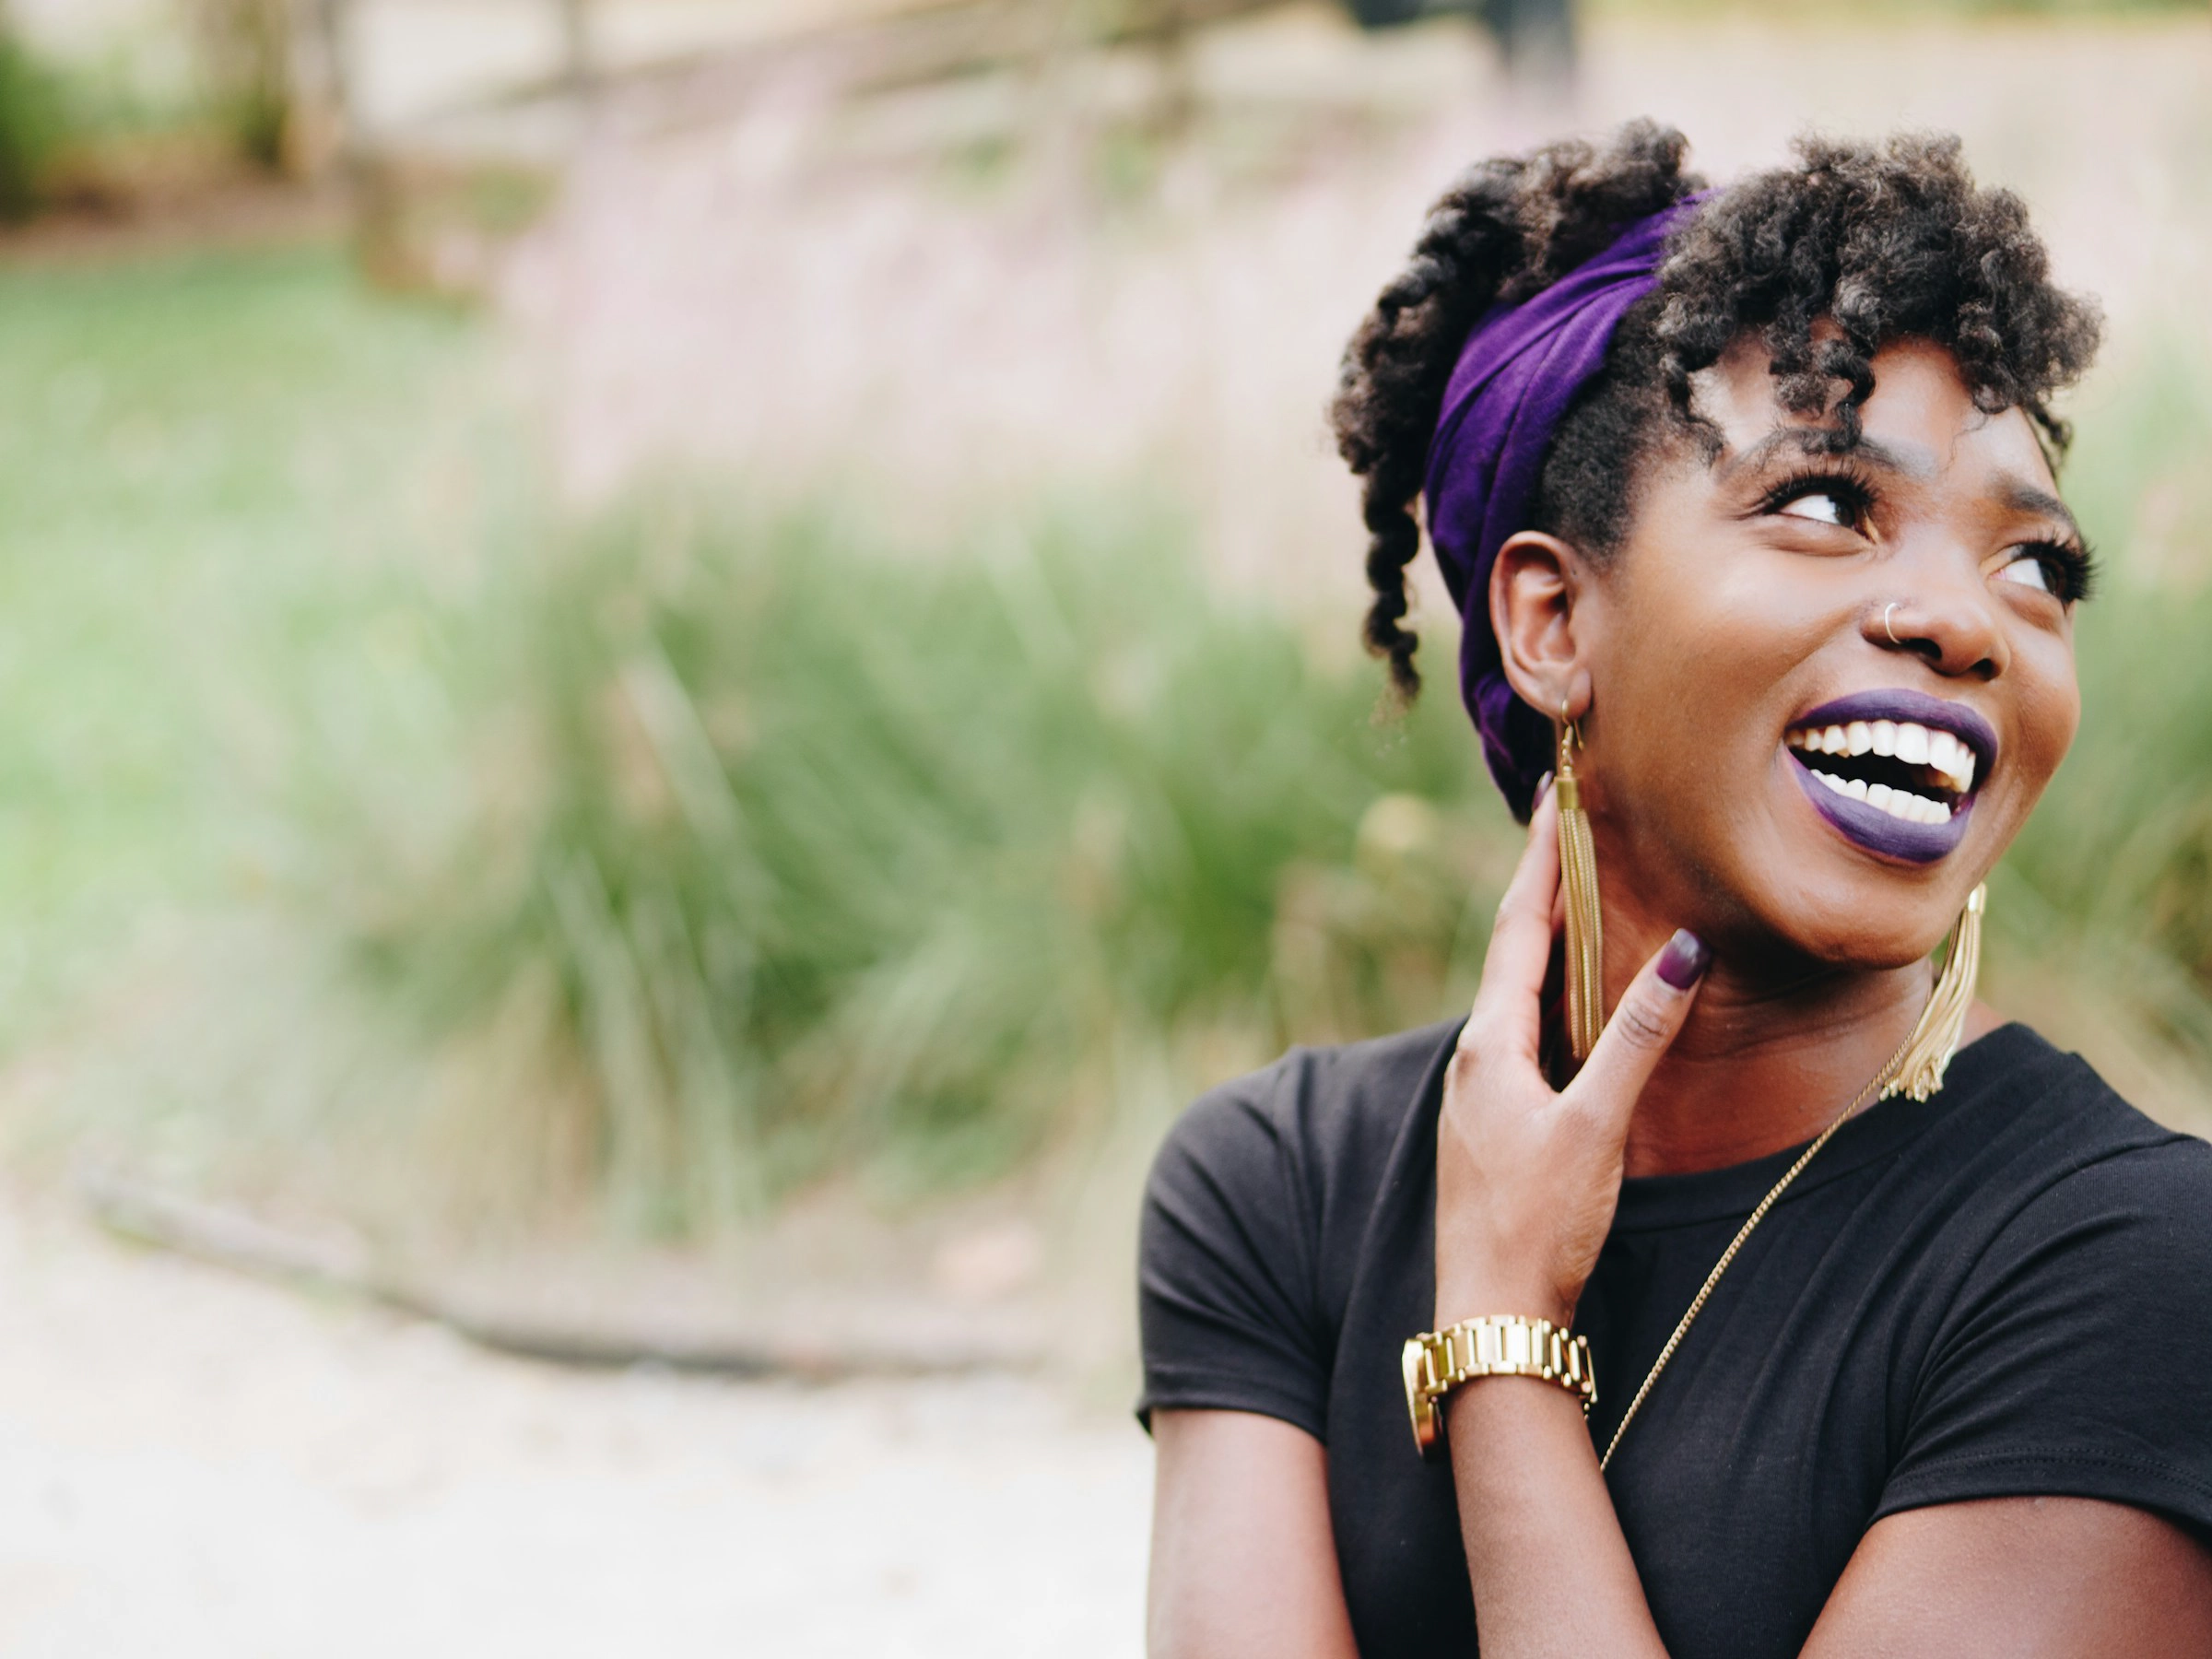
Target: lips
1896, 771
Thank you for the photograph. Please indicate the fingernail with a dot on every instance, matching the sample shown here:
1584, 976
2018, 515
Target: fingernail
1543, 789
1683, 964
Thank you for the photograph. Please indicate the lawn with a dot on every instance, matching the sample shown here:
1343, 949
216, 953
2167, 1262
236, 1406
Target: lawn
221, 475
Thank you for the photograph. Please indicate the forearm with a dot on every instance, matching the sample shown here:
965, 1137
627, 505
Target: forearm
1551, 1568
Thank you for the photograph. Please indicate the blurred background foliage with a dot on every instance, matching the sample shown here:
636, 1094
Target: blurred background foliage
433, 790
830, 856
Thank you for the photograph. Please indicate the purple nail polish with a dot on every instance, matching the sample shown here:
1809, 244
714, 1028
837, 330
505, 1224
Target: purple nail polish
1683, 964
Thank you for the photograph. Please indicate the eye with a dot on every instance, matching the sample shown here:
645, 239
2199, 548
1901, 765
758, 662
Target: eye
2064, 569
1825, 496
2028, 571
1820, 505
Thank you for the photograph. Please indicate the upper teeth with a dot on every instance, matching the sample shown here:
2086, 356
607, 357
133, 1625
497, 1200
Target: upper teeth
1914, 744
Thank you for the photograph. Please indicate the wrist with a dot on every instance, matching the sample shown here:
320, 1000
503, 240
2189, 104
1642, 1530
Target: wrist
1437, 1363
1477, 1295
1473, 1408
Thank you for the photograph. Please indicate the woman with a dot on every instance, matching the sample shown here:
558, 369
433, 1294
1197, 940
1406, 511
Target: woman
1747, 500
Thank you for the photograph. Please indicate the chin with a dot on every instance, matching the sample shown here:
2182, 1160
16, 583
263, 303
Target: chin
1862, 920
1877, 883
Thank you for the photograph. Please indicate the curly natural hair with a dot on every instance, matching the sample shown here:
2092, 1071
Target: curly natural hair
1883, 240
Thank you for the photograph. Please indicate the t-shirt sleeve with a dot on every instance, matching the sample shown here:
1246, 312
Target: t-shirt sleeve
1226, 1263
2078, 1360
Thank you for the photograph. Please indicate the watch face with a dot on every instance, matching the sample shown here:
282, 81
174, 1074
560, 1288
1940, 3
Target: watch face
1419, 1404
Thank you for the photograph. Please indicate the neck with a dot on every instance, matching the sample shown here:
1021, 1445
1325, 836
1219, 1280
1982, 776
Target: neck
1762, 1064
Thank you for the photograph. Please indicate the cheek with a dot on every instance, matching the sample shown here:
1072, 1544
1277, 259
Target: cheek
1686, 680
2050, 707
1701, 637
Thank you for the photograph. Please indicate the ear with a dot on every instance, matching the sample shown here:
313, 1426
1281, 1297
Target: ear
1534, 587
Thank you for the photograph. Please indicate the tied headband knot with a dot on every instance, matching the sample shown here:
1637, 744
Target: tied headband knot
1516, 377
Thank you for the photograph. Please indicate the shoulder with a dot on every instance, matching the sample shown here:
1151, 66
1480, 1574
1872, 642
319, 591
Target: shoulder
2083, 1191
2072, 1353
1251, 1224
1275, 1176
2142, 1205
1328, 1114
2068, 1140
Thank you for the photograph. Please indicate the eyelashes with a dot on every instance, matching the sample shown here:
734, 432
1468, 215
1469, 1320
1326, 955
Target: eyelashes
1852, 489
2070, 567
2073, 569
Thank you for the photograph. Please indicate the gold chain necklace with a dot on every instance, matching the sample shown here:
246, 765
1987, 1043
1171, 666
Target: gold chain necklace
1696, 1303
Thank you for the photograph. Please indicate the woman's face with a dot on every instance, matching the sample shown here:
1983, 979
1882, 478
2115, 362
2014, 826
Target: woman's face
1765, 762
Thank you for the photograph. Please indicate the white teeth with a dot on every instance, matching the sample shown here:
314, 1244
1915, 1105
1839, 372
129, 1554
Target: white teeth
1912, 744
1955, 760
1897, 803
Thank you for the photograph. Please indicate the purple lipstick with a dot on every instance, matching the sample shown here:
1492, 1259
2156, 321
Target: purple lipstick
1895, 771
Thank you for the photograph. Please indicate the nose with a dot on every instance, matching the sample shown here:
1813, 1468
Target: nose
1950, 626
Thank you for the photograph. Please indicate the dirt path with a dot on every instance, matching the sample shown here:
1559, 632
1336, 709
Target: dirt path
196, 1465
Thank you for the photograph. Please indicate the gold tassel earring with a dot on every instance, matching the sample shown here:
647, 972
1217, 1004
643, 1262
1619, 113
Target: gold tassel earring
1578, 880
1927, 1053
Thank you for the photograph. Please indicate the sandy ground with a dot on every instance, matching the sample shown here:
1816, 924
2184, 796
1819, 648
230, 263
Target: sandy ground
198, 1464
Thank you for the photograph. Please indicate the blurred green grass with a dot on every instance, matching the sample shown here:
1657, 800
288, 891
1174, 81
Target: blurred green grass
220, 478
663, 864
831, 855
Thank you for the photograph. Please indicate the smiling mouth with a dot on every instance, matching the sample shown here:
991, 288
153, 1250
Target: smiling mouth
1895, 771
1914, 772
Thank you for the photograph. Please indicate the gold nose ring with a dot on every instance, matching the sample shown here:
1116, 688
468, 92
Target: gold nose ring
1886, 627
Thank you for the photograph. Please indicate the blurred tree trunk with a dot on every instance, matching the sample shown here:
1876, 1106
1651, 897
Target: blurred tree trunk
323, 130
577, 67
1167, 25
33, 123
245, 51
1536, 36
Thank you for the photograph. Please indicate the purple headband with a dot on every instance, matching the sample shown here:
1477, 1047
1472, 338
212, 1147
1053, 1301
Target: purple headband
1516, 376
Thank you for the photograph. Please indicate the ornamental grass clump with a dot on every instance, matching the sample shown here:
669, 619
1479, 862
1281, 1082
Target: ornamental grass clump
833, 856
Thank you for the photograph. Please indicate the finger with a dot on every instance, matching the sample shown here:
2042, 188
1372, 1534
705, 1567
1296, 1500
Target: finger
1642, 1026
1520, 948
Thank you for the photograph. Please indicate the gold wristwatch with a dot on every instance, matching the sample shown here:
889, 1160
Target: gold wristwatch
1503, 1344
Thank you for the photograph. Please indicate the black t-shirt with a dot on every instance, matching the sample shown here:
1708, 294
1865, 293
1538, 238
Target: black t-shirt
2005, 1291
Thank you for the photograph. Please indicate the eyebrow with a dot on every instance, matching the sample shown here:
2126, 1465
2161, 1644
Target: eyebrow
1913, 462
2023, 497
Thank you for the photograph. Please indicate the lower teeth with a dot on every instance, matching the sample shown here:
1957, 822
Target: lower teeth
1897, 803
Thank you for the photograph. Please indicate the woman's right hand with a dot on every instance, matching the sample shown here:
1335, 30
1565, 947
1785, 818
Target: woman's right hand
1527, 1176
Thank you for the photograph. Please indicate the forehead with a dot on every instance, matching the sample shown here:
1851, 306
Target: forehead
1922, 412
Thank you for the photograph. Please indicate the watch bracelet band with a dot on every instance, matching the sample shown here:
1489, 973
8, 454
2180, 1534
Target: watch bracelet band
1498, 1345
